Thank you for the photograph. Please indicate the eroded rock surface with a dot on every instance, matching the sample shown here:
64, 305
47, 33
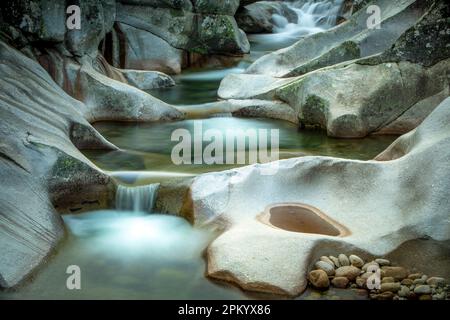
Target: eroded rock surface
368, 198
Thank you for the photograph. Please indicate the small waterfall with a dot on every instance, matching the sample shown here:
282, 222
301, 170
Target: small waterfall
313, 16
140, 198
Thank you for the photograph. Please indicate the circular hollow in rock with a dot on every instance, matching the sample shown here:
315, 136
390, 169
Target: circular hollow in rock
301, 218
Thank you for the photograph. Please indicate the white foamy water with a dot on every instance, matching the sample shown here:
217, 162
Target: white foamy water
312, 17
137, 199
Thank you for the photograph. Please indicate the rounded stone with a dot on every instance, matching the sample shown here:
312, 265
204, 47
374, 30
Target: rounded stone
340, 282
407, 282
343, 260
398, 273
422, 289
327, 260
383, 262
436, 281
325, 266
350, 272
414, 276
392, 287
388, 280
356, 261
335, 261
319, 279
404, 292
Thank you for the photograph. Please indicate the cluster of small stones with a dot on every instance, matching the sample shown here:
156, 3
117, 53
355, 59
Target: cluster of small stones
396, 282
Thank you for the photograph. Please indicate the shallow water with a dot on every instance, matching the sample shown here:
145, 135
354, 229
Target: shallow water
147, 147
129, 255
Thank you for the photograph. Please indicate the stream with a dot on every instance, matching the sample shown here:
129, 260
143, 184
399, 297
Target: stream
136, 255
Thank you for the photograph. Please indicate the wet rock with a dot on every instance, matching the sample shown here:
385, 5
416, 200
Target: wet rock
325, 266
392, 287
419, 281
398, 273
343, 260
422, 289
356, 261
319, 279
349, 272
426, 297
340, 282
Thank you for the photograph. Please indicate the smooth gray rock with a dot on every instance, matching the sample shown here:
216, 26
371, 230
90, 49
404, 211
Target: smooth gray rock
256, 265
348, 41
325, 266
40, 126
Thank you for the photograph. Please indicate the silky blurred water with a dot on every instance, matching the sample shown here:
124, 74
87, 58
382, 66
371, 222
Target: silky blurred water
147, 147
135, 255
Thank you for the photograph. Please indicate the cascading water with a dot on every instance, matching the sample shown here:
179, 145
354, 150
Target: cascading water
312, 17
138, 199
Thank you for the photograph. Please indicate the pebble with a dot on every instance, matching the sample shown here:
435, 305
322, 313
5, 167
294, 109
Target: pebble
383, 262
392, 287
343, 260
388, 280
349, 272
404, 292
386, 296
364, 268
319, 279
327, 260
422, 289
415, 276
407, 282
340, 282
335, 261
439, 296
426, 297
361, 282
436, 281
356, 261
398, 273
419, 281
325, 266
